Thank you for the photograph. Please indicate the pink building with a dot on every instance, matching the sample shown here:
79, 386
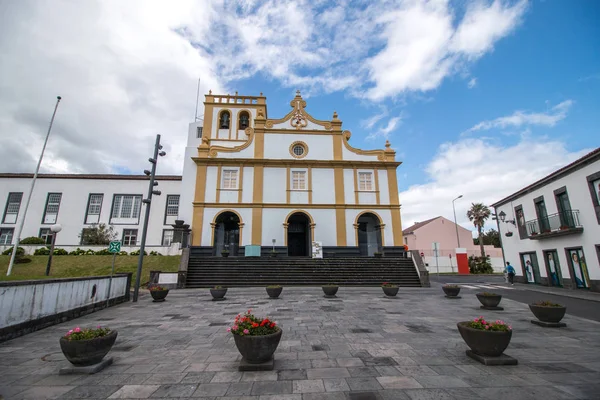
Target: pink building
421, 235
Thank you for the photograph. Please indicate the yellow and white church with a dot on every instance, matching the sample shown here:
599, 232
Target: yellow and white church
286, 183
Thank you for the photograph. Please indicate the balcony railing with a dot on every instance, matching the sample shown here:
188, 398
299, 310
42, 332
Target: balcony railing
562, 223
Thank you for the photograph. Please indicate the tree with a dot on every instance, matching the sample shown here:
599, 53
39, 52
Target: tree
491, 237
98, 234
477, 214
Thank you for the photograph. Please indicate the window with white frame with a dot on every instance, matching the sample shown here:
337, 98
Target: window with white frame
52, 207
365, 181
13, 204
46, 234
298, 180
230, 179
129, 237
6, 235
126, 206
167, 237
95, 204
172, 205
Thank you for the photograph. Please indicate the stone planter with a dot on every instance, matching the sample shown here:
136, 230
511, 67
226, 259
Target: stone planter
225, 254
390, 291
258, 349
489, 301
451, 291
378, 255
218, 294
159, 295
330, 291
484, 343
87, 352
548, 314
274, 292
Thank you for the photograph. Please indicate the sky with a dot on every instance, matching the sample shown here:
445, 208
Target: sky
478, 98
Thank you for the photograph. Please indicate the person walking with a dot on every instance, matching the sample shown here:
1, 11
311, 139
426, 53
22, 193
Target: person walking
511, 272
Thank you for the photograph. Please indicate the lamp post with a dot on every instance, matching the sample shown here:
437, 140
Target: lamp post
455, 224
54, 229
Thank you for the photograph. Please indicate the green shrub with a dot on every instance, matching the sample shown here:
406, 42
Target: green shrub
103, 252
33, 240
137, 253
155, 253
60, 252
480, 265
90, 252
78, 252
8, 252
42, 251
122, 253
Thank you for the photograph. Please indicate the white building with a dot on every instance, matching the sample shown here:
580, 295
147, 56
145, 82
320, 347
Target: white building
286, 182
550, 230
76, 202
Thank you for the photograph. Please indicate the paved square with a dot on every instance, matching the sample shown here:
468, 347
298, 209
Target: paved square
359, 345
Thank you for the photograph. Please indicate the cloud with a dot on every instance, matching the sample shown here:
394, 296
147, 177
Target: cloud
384, 131
370, 122
482, 171
472, 83
520, 118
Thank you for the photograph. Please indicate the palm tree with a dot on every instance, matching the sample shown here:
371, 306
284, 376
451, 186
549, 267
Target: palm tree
478, 213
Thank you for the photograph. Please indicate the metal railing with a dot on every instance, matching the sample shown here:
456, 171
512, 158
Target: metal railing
563, 220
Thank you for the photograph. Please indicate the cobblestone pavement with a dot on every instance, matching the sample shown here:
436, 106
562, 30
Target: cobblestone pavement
359, 345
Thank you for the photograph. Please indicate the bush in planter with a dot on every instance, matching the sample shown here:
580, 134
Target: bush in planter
330, 290
33, 240
273, 253
451, 290
256, 338
158, 293
480, 265
486, 338
390, 289
87, 346
274, 291
378, 254
547, 311
42, 251
218, 292
225, 253
488, 299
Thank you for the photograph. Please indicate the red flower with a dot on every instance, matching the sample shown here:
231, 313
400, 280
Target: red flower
272, 325
254, 325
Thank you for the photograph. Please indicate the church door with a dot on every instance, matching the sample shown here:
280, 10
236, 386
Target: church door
298, 235
227, 234
369, 235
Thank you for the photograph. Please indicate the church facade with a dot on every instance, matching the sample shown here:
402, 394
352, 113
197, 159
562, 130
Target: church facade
285, 183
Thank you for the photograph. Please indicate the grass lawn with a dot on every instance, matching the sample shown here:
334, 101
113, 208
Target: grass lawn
78, 266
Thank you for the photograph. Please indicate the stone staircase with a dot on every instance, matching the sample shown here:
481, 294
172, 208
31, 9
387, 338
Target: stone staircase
290, 271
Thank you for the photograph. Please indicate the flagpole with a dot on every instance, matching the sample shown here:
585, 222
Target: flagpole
20, 227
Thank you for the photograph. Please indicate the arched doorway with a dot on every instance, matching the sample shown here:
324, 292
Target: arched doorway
226, 233
369, 234
298, 235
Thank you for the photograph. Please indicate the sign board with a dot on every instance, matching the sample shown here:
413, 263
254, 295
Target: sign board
422, 254
114, 247
167, 278
435, 246
317, 250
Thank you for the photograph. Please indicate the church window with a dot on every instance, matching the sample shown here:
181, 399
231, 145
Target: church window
230, 179
224, 119
365, 181
298, 149
298, 180
244, 120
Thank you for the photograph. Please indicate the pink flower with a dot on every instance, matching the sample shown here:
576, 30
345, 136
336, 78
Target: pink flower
228, 329
510, 327
235, 327
487, 327
99, 327
475, 320
246, 331
77, 329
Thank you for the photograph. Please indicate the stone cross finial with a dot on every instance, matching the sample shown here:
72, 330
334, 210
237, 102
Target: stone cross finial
210, 91
298, 93
335, 115
387, 144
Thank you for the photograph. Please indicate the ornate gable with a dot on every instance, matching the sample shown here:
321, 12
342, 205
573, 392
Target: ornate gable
299, 119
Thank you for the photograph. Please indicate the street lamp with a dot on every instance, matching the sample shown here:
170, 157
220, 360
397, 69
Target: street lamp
54, 229
455, 224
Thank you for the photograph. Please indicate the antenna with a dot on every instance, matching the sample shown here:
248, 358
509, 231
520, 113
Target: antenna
197, 97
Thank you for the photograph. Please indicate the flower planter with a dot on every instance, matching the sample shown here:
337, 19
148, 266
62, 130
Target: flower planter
330, 291
159, 295
274, 292
390, 291
257, 349
218, 293
484, 343
489, 301
225, 254
378, 255
451, 291
87, 352
548, 314
508, 234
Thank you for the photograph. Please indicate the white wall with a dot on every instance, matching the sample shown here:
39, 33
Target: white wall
349, 186
323, 182
447, 264
580, 199
248, 185
274, 218
73, 205
210, 192
274, 185
22, 303
348, 155
384, 189
188, 181
209, 216
277, 146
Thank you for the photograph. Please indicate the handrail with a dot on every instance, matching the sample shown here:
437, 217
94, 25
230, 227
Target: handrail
559, 221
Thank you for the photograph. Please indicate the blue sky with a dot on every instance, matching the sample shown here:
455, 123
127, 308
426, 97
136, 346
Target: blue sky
478, 98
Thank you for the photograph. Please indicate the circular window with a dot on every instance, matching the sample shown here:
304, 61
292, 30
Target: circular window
298, 149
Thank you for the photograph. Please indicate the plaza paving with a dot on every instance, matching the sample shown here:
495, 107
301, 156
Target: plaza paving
360, 345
